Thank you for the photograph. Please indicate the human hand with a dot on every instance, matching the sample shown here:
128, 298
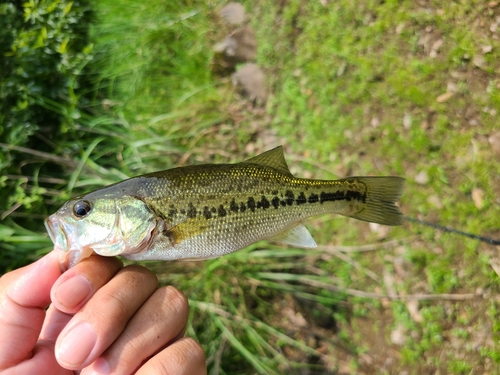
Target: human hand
104, 319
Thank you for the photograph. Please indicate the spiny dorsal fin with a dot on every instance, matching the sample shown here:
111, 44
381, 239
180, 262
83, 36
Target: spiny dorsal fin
296, 236
273, 158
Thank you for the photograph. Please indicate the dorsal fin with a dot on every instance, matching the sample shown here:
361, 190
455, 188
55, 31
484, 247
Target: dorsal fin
273, 158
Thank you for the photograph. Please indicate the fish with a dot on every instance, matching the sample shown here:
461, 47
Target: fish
205, 211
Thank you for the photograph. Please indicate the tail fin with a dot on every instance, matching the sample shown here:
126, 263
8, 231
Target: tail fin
381, 194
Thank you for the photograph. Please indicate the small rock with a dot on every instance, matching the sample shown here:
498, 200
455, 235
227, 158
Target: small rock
233, 13
479, 61
424, 39
239, 47
380, 230
407, 121
493, 4
458, 75
364, 359
389, 284
495, 264
341, 69
470, 112
494, 140
398, 336
435, 201
296, 318
478, 197
487, 49
251, 80
436, 47
451, 87
444, 97
412, 306
422, 178
399, 263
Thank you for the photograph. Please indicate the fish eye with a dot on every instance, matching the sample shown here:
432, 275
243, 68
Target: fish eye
82, 209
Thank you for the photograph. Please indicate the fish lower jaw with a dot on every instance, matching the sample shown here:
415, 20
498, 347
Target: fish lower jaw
69, 259
56, 233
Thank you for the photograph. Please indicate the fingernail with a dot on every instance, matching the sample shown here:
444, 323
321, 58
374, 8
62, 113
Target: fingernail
76, 345
73, 291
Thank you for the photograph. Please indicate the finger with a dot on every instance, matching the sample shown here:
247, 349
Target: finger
43, 362
94, 328
77, 285
54, 323
184, 357
24, 295
161, 320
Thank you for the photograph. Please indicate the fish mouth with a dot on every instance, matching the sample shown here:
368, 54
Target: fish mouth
68, 257
56, 233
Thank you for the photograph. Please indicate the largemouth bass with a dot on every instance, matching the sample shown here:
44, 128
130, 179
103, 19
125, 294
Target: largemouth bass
205, 211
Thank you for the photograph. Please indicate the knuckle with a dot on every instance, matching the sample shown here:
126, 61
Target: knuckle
188, 357
196, 352
139, 274
115, 303
176, 299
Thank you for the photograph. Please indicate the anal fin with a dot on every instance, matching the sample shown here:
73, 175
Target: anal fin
296, 236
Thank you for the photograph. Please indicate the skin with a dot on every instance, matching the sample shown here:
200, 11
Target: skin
122, 322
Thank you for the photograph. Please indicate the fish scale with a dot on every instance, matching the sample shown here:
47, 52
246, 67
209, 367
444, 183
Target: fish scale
205, 211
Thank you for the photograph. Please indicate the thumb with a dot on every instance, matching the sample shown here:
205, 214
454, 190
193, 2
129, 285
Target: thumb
24, 295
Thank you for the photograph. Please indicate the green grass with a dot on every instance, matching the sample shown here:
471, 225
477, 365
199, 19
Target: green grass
373, 72
353, 92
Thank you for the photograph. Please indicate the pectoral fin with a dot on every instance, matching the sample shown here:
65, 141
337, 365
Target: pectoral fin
296, 236
185, 230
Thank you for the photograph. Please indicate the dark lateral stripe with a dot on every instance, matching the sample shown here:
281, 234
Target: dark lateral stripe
313, 198
287, 199
172, 213
263, 203
207, 213
301, 199
233, 206
276, 202
191, 212
221, 211
348, 195
251, 204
